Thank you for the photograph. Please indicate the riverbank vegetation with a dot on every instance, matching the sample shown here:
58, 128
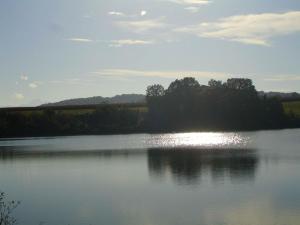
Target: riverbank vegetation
185, 105
234, 105
292, 108
6, 210
52, 121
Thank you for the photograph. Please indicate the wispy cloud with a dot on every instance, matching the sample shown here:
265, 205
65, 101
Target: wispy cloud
177, 74
19, 96
139, 26
24, 77
192, 9
129, 42
122, 14
33, 85
86, 40
254, 29
282, 78
116, 13
191, 2
192, 6
116, 43
155, 73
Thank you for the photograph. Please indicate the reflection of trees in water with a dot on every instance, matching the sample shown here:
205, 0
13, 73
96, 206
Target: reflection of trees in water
12, 153
184, 165
187, 166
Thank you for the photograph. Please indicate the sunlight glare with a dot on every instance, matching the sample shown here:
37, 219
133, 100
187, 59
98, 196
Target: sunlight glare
202, 139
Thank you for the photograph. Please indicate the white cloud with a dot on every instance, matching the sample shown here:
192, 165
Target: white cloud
121, 14
192, 6
255, 29
120, 43
191, 2
115, 13
33, 85
142, 25
155, 73
19, 96
283, 78
24, 77
115, 43
80, 40
192, 9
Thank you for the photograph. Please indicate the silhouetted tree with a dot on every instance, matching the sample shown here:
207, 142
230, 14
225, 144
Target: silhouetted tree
155, 90
240, 84
187, 84
215, 83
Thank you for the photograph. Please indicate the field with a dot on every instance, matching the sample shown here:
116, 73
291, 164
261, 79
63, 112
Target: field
72, 110
292, 108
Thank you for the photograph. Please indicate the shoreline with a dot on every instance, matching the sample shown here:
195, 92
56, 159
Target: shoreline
145, 132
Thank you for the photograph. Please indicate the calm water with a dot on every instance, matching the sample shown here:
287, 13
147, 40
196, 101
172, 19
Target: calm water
247, 178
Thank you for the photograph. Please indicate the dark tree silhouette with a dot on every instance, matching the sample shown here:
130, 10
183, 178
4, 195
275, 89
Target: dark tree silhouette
184, 85
155, 90
240, 84
235, 104
215, 83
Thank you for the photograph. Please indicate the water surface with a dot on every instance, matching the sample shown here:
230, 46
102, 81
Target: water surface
163, 179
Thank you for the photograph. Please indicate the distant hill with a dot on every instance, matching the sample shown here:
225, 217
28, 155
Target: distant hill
282, 96
118, 99
139, 98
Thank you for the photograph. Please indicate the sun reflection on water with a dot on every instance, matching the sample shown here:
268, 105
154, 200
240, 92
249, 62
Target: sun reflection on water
201, 140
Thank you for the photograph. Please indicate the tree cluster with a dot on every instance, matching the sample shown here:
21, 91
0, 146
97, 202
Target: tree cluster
234, 104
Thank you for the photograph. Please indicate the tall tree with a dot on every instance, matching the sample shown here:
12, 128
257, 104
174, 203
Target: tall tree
185, 85
155, 90
240, 84
215, 83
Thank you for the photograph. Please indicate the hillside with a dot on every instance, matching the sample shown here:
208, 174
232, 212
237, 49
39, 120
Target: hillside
292, 108
118, 99
139, 98
292, 96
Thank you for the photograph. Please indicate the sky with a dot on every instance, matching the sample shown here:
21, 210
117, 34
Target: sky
52, 50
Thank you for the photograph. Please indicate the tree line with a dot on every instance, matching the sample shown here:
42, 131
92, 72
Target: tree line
185, 105
105, 119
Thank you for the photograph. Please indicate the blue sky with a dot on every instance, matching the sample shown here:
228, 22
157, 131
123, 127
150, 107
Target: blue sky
60, 49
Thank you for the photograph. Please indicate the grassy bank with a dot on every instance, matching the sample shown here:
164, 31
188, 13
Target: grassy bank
72, 120
72, 110
292, 108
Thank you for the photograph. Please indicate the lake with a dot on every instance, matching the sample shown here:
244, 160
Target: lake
237, 178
